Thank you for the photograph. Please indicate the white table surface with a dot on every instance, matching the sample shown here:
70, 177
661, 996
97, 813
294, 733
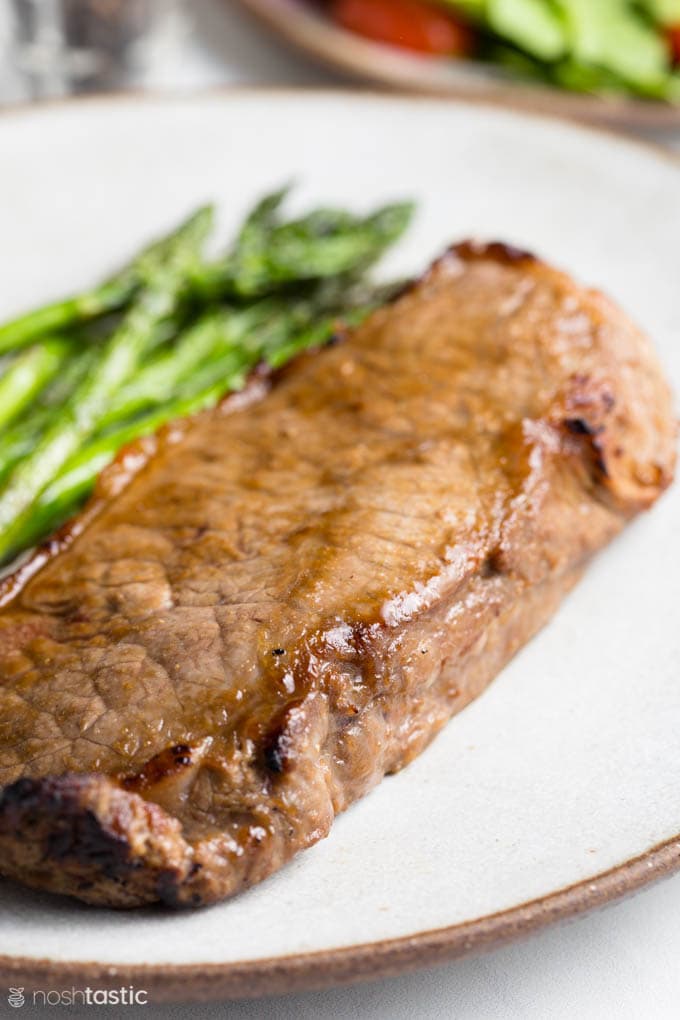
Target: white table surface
622, 962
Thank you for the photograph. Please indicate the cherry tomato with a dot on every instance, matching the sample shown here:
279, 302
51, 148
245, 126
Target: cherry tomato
407, 23
674, 40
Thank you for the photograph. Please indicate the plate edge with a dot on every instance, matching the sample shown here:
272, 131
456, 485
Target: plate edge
347, 965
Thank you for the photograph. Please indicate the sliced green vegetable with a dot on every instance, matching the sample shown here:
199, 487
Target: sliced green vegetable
665, 12
600, 46
611, 36
533, 25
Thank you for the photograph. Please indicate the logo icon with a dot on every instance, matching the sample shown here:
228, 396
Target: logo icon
16, 997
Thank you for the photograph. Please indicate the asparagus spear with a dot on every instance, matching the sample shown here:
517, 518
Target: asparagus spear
259, 224
251, 239
324, 244
110, 296
78, 418
328, 243
61, 315
65, 494
156, 382
28, 374
268, 255
24, 433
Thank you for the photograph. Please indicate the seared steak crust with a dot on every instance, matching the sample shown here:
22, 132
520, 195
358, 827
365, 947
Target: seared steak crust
266, 609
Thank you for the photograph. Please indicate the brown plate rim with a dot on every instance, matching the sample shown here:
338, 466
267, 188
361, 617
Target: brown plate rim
331, 46
344, 965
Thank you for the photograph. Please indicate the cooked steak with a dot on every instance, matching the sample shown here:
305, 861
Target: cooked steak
267, 608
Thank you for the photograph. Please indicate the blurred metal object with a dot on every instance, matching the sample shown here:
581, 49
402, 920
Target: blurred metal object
65, 46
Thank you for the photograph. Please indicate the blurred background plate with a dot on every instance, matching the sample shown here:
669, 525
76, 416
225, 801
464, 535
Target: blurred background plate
303, 26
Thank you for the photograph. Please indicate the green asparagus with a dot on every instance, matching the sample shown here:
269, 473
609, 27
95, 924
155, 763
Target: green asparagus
171, 346
27, 376
61, 315
110, 296
117, 291
24, 433
325, 244
162, 288
158, 379
66, 493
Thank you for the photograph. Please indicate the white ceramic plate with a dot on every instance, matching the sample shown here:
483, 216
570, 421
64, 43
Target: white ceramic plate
533, 802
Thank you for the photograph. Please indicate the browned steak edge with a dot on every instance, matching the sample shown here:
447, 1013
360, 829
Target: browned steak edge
88, 836
81, 834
